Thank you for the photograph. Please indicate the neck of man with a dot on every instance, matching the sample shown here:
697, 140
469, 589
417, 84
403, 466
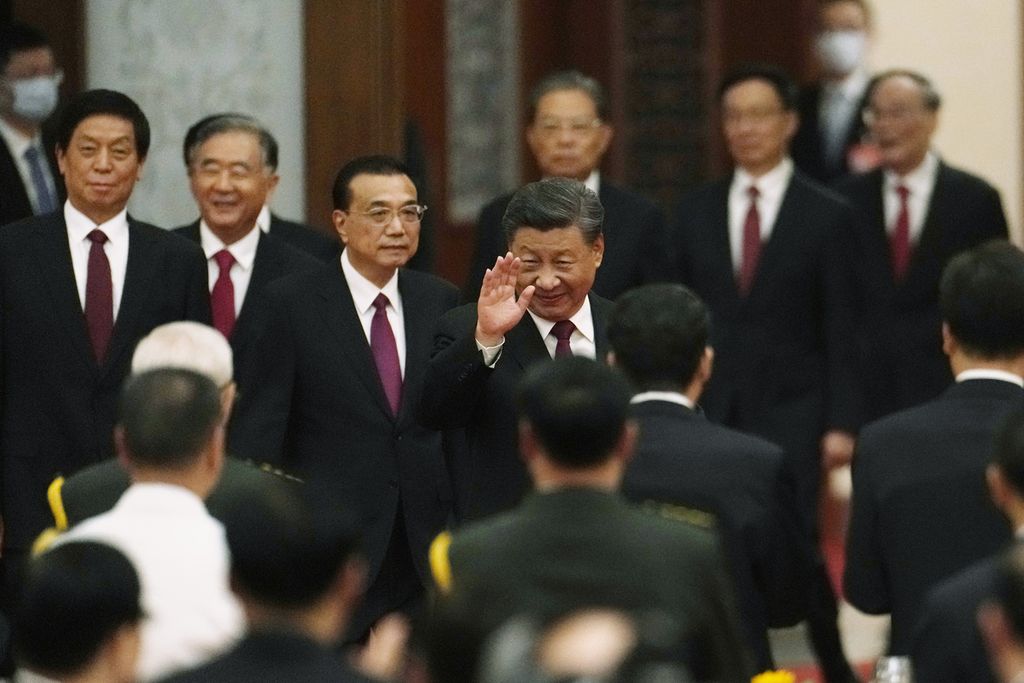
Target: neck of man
192, 478
961, 362
322, 621
27, 128
549, 476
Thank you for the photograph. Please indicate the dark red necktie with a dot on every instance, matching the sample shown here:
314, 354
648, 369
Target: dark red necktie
222, 296
385, 353
99, 296
751, 244
562, 331
899, 241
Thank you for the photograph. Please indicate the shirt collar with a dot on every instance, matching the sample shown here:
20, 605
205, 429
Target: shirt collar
593, 181
363, 291
669, 396
263, 220
919, 181
79, 225
986, 373
17, 142
582, 319
243, 251
144, 493
772, 184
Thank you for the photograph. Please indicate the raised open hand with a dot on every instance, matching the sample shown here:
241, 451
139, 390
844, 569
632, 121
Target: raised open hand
497, 309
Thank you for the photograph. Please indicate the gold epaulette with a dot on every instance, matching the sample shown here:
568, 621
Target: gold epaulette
681, 513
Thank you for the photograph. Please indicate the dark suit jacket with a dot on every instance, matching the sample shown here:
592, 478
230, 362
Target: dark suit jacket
920, 509
808, 144
947, 646
320, 245
273, 656
58, 404
576, 548
785, 361
460, 392
636, 246
274, 258
684, 459
14, 201
900, 340
317, 408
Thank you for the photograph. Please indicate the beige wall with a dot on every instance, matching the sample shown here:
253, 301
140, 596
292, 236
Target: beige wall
971, 49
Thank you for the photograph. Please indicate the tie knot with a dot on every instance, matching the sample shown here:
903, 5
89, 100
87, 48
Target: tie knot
902, 191
753, 192
563, 329
224, 259
381, 302
32, 154
97, 237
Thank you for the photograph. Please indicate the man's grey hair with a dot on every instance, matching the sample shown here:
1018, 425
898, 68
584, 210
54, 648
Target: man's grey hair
206, 128
554, 203
570, 80
186, 345
930, 97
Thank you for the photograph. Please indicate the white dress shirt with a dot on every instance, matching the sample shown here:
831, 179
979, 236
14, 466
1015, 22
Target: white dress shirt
116, 248
838, 108
582, 342
984, 373
771, 188
244, 253
181, 555
921, 183
17, 145
363, 294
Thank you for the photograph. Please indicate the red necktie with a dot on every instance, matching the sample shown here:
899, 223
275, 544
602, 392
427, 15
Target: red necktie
385, 353
899, 241
222, 296
751, 244
562, 331
99, 296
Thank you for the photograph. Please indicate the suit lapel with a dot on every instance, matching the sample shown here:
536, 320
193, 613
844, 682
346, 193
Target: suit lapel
138, 279
717, 239
524, 344
339, 314
599, 310
54, 259
928, 249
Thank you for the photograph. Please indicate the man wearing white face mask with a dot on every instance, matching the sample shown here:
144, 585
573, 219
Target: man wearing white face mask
29, 79
828, 142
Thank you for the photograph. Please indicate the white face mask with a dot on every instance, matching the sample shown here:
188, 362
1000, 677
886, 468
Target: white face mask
841, 52
35, 98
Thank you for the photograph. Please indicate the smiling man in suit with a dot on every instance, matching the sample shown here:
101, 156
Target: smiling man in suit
78, 288
766, 251
231, 173
912, 216
338, 377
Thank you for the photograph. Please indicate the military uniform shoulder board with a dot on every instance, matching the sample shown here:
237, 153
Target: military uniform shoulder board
680, 513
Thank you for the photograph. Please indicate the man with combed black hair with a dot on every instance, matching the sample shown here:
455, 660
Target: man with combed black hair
576, 543
170, 437
920, 509
78, 618
659, 335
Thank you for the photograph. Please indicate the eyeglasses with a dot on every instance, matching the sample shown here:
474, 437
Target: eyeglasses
383, 215
871, 116
551, 127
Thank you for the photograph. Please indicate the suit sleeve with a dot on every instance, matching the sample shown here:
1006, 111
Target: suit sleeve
785, 568
994, 222
864, 579
456, 378
844, 392
933, 648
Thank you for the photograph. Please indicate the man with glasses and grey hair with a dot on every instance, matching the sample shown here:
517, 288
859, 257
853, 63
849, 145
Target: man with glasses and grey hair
337, 380
912, 216
568, 134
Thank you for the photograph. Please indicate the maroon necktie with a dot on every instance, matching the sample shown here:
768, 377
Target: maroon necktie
222, 296
562, 331
751, 244
899, 242
99, 296
385, 352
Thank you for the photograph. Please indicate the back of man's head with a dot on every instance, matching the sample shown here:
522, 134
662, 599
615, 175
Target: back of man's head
168, 418
658, 334
554, 203
285, 555
981, 297
187, 345
75, 598
576, 408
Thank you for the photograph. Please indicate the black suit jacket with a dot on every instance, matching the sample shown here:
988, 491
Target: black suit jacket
317, 409
320, 245
278, 655
578, 548
947, 646
462, 393
14, 201
636, 249
807, 147
900, 339
684, 459
920, 509
58, 404
785, 360
275, 258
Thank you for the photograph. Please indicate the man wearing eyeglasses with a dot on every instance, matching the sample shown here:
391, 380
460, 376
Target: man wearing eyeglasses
568, 135
912, 216
337, 378
29, 79
231, 160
